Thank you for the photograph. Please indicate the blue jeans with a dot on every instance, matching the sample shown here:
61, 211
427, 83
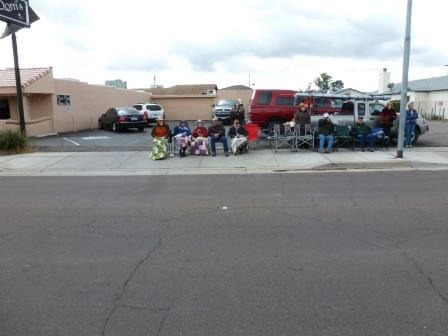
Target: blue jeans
363, 138
214, 140
322, 139
409, 131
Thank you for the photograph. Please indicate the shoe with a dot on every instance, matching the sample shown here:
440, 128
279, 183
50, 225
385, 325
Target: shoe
226, 154
327, 152
213, 154
363, 149
371, 149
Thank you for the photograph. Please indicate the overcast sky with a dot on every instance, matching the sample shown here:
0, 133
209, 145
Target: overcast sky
281, 43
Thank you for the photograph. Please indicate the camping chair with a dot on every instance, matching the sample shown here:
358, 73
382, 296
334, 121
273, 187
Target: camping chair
304, 136
284, 136
343, 137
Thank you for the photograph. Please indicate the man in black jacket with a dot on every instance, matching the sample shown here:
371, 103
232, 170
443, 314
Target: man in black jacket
326, 130
217, 133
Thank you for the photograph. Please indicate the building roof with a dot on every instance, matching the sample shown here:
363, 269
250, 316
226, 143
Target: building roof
237, 87
423, 85
342, 91
27, 76
182, 90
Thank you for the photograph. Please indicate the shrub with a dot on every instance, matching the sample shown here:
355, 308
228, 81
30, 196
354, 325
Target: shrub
12, 140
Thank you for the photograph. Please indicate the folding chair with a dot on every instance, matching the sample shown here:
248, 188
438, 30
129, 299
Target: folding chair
344, 137
286, 137
304, 136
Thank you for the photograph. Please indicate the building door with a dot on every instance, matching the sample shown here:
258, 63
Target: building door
4, 109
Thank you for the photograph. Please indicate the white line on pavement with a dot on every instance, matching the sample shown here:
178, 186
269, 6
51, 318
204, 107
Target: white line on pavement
73, 142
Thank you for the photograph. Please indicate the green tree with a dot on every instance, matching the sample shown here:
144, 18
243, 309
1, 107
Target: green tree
323, 82
337, 85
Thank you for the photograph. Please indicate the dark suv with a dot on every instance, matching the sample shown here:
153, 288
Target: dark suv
224, 108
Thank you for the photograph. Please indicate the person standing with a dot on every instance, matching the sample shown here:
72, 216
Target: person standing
326, 130
217, 133
302, 117
387, 118
411, 120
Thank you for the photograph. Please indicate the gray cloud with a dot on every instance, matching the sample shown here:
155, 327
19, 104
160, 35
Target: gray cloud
349, 39
130, 62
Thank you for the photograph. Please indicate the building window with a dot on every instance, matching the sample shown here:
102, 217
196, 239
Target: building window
4, 109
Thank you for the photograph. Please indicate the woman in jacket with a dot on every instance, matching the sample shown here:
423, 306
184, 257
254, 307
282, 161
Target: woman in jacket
182, 138
161, 135
411, 120
387, 118
238, 134
199, 145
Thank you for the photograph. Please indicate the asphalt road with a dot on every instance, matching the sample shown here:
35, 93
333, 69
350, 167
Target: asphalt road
306, 254
98, 140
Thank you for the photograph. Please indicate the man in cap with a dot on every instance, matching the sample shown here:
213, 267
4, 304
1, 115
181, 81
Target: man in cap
326, 130
363, 133
217, 133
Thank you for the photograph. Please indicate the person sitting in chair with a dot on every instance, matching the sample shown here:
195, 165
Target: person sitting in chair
238, 134
326, 130
199, 145
363, 133
217, 133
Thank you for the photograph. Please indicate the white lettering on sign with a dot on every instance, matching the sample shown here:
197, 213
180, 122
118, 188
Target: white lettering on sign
10, 7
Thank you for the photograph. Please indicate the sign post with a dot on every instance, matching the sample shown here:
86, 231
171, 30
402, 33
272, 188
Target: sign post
18, 85
17, 14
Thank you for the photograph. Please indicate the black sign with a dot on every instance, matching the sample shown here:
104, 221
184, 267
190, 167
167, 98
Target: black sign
15, 11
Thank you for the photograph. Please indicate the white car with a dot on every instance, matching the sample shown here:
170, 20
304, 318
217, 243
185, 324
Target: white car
152, 111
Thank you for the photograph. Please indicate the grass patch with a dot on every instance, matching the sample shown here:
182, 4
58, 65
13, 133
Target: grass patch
12, 141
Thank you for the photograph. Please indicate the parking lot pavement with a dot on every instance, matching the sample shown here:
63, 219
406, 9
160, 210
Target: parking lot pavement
95, 140
132, 140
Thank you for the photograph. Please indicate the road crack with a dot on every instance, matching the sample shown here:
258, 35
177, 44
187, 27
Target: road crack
131, 276
165, 317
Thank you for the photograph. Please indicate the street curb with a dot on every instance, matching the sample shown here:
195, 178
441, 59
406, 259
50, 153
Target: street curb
374, 166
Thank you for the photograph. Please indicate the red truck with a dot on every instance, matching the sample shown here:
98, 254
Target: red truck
268, 107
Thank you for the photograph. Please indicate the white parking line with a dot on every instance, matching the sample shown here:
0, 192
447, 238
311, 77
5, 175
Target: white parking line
73, 142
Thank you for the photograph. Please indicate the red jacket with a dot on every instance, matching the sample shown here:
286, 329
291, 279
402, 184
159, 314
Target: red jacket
200, 131
387, 117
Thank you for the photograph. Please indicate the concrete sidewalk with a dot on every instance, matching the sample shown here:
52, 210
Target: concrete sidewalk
258, 161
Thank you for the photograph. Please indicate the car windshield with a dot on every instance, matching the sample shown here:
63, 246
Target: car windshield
154, 107
127, 111
138, 107
226, 103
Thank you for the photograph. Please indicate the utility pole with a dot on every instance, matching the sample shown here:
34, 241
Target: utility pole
404, 82
18, 85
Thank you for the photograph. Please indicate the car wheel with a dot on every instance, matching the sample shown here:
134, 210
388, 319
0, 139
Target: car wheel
114, 127
100, 125
141, 129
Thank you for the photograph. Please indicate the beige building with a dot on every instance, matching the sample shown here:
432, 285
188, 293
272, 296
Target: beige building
58, 105
430, 96
193, 102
